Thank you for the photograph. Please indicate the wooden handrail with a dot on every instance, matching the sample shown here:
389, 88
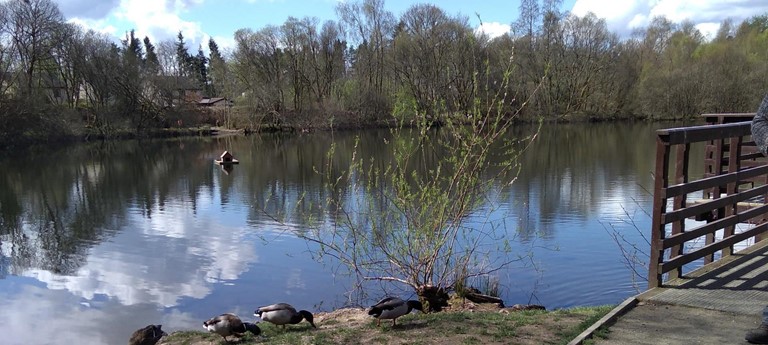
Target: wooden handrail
709, 182
734, 188
698, 209
688, 135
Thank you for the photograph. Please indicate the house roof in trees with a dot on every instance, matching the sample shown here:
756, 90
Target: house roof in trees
212, 101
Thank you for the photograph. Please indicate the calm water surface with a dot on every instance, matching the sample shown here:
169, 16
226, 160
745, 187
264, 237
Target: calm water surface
130, 233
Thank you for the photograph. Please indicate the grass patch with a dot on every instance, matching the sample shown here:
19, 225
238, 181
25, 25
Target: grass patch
446, 328
593, 315
200, 337
472, 341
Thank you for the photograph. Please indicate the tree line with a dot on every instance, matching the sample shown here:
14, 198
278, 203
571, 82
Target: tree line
367, 67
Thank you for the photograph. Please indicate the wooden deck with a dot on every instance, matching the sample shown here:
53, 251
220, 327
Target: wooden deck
707, 280
715, 304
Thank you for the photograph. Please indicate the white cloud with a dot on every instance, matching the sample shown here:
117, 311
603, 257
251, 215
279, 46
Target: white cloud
98, 25
493, 29
709, 30
226, 43
158, 19
624, 16
161, 20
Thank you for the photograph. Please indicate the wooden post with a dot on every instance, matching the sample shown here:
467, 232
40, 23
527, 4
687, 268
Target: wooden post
660, 183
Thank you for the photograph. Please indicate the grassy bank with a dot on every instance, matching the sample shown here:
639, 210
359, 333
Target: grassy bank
353, 326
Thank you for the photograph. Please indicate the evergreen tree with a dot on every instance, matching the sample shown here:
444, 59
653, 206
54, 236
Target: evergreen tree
183, 59
200, 65
132, 46
150, 60
216, 69
214, 48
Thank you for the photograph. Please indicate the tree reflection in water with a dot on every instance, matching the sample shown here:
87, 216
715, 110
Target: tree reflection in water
156, 222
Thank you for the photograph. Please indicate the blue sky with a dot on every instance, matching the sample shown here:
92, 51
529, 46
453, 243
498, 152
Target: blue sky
201, 19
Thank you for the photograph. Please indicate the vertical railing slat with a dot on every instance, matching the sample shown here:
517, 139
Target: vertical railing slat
717, 192
682, 155
734, 164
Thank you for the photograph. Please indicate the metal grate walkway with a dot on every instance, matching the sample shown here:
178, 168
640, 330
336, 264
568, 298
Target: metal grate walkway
738, 286
715, 304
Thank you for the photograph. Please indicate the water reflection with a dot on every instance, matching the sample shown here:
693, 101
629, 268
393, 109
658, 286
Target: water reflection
154, 232
67, 319
573, 170
171, 255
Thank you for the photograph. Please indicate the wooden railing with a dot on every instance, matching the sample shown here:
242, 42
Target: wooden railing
733, 190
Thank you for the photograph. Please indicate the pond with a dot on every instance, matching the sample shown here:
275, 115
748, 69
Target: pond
100, 239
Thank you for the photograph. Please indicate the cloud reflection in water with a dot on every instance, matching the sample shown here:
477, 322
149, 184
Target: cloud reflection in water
164, 268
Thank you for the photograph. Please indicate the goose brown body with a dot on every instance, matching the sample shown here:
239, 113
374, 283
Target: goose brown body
283, 314
392, 308
229, 324
149, 335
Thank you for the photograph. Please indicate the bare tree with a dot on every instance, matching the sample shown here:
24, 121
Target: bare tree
330, 59
33, 25
369, 28
589, 46
259, 65
423, 239
166, 57
432, 54
67, 53
295, 40
100, 61
168, 82
7, 55
529, 21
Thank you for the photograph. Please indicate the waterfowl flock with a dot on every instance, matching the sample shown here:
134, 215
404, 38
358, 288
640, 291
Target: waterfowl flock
280, 314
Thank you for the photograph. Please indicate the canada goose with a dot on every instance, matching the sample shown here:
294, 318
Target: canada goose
149, 335
283, 313
229, 324
392, 308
